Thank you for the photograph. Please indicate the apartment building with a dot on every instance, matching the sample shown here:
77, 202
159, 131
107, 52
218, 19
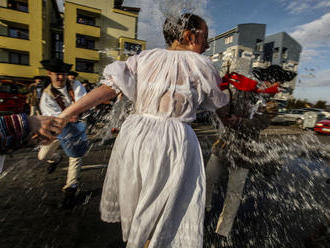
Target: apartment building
246, 46
26, 37
98, 32
236, 47
89, 35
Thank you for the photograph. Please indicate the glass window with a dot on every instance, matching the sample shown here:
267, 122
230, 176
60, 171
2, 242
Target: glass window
85, 42
18, 58
132, 48
229, 39
87, 20
240, 52
24, 59
18, 33
17, 5
85, 66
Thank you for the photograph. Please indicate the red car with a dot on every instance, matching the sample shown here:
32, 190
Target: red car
12, 97
323, 126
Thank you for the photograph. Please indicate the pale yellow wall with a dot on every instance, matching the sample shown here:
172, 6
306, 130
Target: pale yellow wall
71, 29
114, 25
3, 3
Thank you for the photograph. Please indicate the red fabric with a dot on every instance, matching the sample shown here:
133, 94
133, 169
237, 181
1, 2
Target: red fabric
271, 90
243, 83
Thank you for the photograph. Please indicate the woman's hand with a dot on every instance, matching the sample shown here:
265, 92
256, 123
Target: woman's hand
46, 128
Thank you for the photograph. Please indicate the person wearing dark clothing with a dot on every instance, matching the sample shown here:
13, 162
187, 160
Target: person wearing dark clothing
232, 155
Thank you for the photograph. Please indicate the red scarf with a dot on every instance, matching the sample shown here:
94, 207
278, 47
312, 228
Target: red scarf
243, 83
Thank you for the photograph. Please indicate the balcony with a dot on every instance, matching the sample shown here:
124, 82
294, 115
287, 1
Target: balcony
87, 30
87, 54
14, 16
14, 43
13, 70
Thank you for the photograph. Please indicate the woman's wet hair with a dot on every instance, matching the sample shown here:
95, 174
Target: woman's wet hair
173, 28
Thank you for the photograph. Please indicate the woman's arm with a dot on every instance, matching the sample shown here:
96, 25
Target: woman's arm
92, 99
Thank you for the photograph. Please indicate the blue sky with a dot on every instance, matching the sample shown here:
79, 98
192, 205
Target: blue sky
308, 21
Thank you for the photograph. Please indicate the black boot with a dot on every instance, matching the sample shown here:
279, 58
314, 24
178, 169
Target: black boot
69, 200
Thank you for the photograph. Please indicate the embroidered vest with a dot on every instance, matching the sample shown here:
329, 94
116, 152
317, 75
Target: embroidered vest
58, 96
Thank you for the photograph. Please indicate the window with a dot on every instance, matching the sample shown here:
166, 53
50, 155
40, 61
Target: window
259, 47
85, 66
18, 33
85, 42
276, 51
57, 45
240, 52
18, 58
229, 39
17, 5
284, 53
132, 48
87, 20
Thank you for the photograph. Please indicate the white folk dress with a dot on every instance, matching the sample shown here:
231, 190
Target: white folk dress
155, 183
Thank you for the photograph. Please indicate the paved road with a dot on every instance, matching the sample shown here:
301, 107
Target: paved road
29, 198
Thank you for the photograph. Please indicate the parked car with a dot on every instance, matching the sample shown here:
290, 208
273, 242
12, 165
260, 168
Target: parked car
311, 118
322, 111
290, 117
12, 97
323, 126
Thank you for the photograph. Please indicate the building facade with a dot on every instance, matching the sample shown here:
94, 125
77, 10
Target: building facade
246, 46
25, 37
89, 35
98, 32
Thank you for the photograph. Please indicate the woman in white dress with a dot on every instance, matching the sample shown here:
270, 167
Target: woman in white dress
155, 183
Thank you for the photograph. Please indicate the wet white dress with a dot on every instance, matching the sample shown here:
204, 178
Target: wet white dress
155, 183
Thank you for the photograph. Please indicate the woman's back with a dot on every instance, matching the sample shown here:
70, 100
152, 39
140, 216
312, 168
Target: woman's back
170, 84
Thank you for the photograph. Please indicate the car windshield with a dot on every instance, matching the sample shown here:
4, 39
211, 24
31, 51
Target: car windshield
8, 88
13, 88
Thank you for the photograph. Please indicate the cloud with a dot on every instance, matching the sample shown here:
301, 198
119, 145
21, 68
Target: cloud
315, 33
300, 6
308, 78
154, 12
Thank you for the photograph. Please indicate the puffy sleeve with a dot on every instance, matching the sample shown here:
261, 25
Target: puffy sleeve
211, 97
121, 76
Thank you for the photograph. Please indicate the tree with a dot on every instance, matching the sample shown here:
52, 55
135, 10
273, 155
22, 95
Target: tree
320, 104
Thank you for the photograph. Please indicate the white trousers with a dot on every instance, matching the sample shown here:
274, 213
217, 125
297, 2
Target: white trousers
48, 153
236, 180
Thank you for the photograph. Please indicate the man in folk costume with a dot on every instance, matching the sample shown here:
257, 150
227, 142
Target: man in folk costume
60, 94
232, 154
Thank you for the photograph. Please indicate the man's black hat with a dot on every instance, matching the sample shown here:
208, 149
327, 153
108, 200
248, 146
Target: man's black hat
56, 65
37, 77
73, 73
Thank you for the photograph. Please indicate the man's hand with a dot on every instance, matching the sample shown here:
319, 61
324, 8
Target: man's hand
46, 127
271, 107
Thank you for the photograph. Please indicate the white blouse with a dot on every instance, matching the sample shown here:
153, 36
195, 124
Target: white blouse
167, 83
